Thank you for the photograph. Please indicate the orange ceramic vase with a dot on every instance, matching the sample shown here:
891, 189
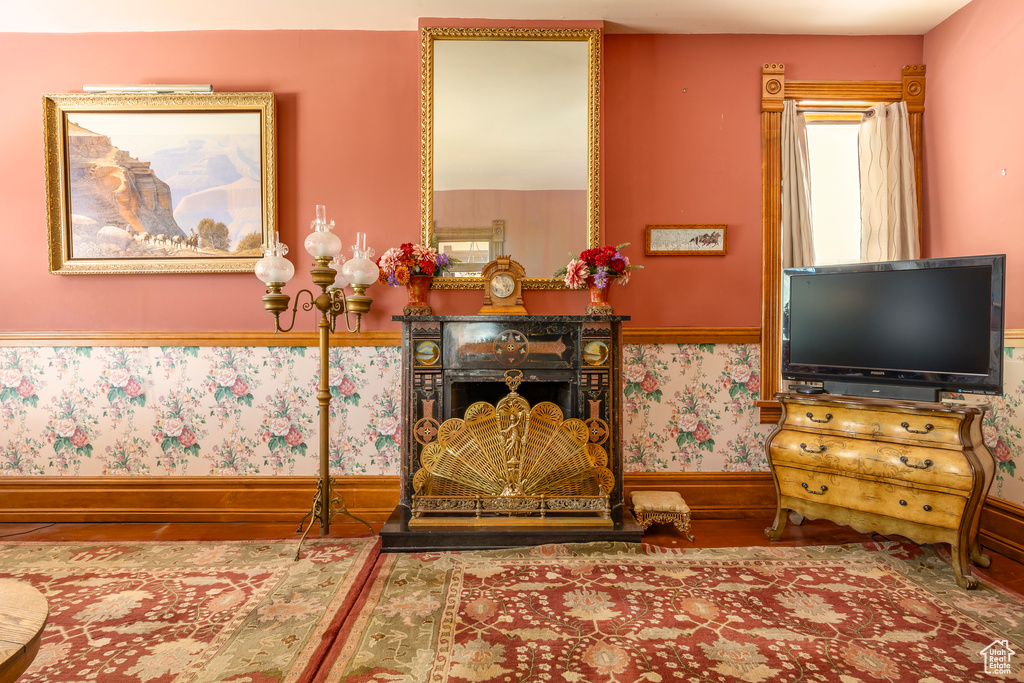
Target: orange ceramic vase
418, 287
598, 299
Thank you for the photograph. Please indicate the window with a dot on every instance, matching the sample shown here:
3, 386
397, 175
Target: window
471, 247
835, 190
831, 96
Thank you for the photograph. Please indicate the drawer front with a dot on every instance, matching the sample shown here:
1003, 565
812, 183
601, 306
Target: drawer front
878, 459
943, 510
906, 426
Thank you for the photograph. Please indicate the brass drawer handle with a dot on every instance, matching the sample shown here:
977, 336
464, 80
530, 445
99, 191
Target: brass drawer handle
923, 466
821, 449
828, 418
817, 493
927, 428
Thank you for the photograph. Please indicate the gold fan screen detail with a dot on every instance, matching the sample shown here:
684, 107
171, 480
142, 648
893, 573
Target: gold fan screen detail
511, 460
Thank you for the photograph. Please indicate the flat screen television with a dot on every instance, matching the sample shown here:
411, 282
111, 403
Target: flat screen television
897, 329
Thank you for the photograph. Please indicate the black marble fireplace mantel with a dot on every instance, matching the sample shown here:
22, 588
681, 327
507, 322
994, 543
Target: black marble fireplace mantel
449, 362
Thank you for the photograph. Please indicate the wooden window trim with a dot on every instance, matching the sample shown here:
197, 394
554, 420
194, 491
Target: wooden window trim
810, 96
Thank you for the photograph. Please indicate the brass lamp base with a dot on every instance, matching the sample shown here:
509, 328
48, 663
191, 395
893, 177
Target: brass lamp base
358, 303
275, 302
316, 512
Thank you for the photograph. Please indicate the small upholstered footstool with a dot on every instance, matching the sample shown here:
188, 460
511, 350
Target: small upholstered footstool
661, 506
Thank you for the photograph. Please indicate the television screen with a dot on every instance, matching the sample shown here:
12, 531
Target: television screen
936, 324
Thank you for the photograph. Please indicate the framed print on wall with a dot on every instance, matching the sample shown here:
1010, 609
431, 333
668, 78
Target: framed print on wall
685, 240
159, 183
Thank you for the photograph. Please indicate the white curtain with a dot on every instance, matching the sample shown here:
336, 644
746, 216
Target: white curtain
888, 194
797, 238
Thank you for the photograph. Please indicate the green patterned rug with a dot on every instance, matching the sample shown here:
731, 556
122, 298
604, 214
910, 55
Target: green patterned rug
189, 611
615, 612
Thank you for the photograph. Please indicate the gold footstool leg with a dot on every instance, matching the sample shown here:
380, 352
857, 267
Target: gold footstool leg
683, 524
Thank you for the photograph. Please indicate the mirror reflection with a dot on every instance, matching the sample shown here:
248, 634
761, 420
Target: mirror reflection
510, 148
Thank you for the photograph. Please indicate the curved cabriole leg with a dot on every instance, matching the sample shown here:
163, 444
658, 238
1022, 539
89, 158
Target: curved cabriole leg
683, 525
774, 532
961, 568
977, 557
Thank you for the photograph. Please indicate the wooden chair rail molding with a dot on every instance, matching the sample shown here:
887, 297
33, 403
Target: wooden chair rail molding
631, 335
175, 338
710, 495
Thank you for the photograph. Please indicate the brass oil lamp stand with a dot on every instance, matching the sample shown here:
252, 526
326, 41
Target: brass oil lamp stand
360, 272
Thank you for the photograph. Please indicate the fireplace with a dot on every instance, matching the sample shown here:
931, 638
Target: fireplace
568, 370
463, 391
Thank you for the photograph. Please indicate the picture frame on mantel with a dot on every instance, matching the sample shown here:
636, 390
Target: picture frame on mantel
159, 183
707, 239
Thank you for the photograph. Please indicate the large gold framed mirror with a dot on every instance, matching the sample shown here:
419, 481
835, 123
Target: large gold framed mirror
510, 148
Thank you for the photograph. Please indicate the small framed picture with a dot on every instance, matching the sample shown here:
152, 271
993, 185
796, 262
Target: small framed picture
157, 183
686, 240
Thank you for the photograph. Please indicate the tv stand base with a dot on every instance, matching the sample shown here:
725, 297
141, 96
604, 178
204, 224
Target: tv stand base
888, 391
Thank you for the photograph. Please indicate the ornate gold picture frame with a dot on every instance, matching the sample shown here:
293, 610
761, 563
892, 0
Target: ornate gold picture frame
546, 194
686, 240
159, 183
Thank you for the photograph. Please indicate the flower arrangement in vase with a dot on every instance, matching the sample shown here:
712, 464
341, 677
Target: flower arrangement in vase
413, 266
597, 269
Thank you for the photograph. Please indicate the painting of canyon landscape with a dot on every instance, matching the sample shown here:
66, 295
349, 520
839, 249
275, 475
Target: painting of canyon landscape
163, 191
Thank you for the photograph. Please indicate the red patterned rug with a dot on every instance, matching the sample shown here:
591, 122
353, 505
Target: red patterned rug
188, 611
615, 612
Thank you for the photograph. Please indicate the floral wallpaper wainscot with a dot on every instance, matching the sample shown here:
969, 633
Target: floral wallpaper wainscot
93, 411
234, 411
1003, 428
690, 408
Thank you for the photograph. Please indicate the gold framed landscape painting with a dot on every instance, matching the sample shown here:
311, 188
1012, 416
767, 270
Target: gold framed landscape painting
159, 183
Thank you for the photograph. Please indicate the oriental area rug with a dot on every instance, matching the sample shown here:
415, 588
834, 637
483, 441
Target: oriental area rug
615, 612
184, 611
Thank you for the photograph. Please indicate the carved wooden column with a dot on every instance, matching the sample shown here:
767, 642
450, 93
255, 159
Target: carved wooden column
773, 92
913, 95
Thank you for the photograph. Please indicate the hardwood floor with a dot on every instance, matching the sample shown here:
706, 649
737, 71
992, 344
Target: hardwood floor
708, 533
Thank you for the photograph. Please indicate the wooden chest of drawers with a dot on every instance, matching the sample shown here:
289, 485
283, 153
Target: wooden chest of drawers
918, 470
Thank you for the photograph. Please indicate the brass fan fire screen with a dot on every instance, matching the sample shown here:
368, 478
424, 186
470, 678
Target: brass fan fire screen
512, 465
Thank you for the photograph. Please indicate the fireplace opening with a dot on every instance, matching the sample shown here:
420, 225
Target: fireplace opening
465, 392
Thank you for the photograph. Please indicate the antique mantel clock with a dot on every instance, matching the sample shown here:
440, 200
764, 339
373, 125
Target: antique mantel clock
503, 287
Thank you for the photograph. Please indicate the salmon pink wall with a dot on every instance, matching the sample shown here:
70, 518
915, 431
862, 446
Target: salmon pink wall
972, 133
681, 144
348, 137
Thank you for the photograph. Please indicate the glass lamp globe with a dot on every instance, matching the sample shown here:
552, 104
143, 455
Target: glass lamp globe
340, 281
322, 243
360, 270
274, 267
